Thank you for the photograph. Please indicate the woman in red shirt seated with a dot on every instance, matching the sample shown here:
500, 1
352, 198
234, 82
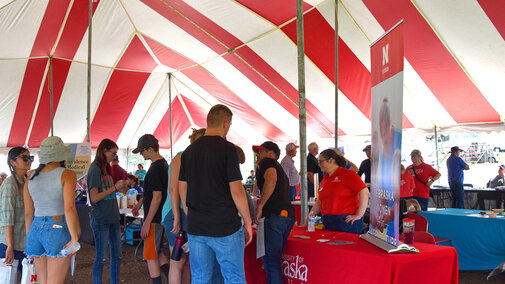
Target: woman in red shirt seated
343, 197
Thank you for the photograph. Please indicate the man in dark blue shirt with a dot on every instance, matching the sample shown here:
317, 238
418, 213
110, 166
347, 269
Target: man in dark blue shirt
455, 167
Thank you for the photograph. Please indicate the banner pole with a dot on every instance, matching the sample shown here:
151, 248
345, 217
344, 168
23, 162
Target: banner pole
170, 112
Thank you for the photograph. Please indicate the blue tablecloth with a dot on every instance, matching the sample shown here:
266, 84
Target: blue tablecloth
479, 241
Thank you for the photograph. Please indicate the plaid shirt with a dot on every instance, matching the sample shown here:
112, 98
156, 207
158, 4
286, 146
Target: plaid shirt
12, 212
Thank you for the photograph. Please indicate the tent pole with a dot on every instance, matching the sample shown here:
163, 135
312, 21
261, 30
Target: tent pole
336, 73
88, 118
301, 105
51, 91
170, 112
436, 146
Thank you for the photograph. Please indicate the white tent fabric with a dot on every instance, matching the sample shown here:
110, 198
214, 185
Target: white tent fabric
241, 53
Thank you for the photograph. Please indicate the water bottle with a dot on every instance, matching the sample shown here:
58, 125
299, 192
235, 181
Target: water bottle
177, 251
312, 223
72, 248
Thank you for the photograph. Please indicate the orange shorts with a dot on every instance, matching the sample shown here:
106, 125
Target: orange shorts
153, 242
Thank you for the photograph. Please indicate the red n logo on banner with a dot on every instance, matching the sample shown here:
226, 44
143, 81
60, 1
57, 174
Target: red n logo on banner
33, 279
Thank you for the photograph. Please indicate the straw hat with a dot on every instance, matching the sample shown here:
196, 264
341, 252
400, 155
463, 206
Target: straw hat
52, 149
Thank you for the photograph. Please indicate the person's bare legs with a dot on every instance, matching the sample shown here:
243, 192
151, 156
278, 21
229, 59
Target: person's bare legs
177, 268
57, 269
41, 268
186, 273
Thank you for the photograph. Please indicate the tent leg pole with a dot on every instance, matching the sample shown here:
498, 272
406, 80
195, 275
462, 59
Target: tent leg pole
436, 146
301, 104
336, 73
88, 107
51, 92
170, 112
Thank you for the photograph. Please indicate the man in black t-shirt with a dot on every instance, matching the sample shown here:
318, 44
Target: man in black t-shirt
275, 206
312, 168
212, 194
365, 167
155, 194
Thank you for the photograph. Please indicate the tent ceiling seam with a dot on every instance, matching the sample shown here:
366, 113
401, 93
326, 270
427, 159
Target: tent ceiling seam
194, 92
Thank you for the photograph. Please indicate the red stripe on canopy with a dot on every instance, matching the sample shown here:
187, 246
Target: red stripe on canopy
180, 124
249, 67
121, 94
42, 124
495, 10
44, 42
434, 64
70, 39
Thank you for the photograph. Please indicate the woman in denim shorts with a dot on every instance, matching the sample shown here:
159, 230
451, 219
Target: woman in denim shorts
51, 218
12, 209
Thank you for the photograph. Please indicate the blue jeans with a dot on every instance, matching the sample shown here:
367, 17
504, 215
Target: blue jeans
18, 254
458, 194
208, 252
111, 234
277, 230
337, 223
423, 202
292, 193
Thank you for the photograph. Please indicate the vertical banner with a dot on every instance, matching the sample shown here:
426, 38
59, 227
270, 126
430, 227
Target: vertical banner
387, 112
79, 159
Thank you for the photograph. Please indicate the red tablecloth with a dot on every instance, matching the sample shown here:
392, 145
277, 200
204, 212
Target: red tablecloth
309, 261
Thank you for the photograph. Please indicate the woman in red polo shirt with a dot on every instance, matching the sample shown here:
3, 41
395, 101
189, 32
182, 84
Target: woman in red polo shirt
424, 176
343, 197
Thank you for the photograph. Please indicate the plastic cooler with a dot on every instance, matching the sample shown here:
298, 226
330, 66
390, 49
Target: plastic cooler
133, 232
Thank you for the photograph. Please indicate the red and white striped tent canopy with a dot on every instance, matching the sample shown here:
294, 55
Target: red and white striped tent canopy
241, 53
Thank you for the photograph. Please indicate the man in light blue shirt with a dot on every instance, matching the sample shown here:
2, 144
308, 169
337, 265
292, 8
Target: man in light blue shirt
455, 167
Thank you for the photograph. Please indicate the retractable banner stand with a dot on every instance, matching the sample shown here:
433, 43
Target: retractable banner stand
387, 101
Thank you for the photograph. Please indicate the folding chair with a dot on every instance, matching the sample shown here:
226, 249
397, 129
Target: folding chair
422, 226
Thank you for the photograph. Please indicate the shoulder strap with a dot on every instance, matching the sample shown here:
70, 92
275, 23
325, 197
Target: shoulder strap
414, 170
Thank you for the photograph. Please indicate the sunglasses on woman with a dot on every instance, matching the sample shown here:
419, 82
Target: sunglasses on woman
26, 158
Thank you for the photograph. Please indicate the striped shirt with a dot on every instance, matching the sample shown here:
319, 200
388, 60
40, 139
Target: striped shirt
288, 165
12, 211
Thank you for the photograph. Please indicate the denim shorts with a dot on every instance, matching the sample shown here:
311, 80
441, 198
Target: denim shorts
168, 223
46, 237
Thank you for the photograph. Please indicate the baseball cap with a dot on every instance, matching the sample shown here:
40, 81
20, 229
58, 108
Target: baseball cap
367, 148
502, 167
415, 152
268, 145
456, 148
291, 146
146, 141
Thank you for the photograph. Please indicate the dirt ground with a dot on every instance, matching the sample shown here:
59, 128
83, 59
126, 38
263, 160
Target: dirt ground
136, 271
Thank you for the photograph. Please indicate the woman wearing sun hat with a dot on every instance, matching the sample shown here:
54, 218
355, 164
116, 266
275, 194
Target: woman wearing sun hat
12, 209
50, 216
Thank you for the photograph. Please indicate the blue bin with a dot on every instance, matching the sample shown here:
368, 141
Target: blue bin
133, 232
